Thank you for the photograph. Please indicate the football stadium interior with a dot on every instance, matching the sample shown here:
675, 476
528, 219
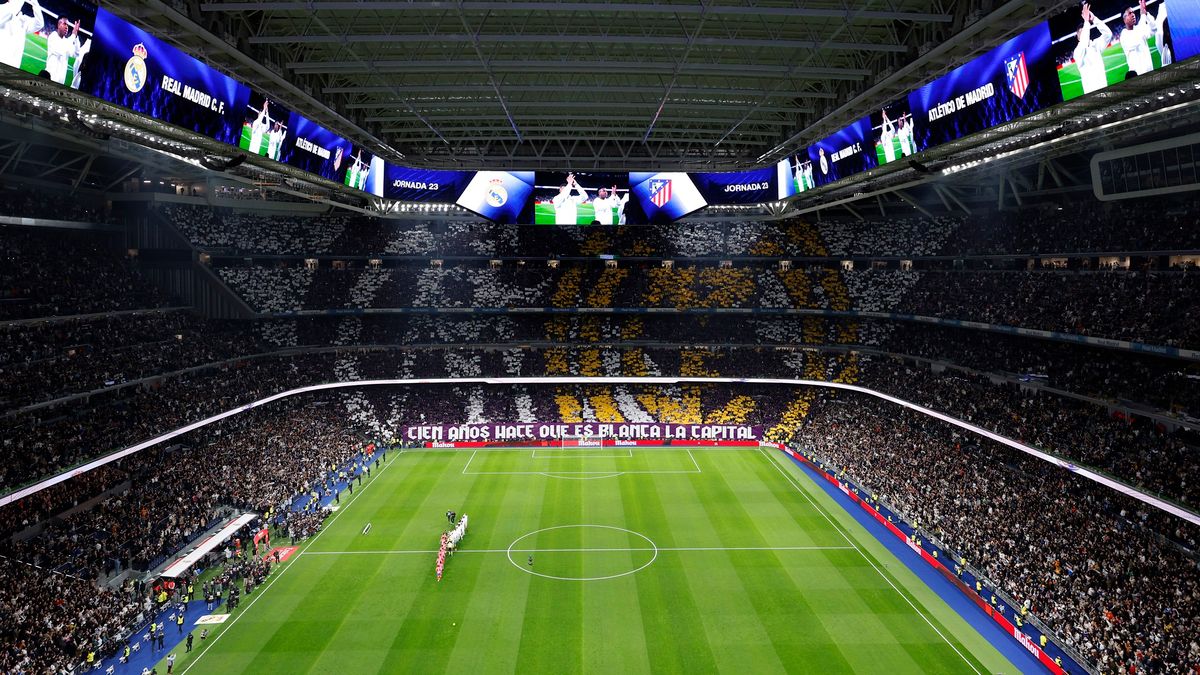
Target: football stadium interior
600, 336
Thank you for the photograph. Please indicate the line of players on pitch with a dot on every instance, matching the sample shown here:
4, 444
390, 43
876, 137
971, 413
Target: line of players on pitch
457, 531
449, 540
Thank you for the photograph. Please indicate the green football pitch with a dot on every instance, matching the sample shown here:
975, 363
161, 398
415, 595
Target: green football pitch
664, 560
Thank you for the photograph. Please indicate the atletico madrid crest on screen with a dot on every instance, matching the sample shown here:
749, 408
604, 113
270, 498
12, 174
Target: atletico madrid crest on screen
660, 192
1018, 75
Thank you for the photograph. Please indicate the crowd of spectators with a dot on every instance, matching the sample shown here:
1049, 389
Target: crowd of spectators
1106, 575
48, 360
49, 620
49, 273
247, 231
53, 609
44, 441
260, 460
1145, 380
1091, 227
1155, 224
1133, 449
976, 496
27, 202
41, 442
1155, 308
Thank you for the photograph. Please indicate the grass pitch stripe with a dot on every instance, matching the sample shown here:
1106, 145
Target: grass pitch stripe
871, 562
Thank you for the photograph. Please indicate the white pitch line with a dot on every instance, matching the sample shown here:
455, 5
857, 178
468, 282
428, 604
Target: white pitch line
592, 550
280, 573
870, 562
542, 473
469, 463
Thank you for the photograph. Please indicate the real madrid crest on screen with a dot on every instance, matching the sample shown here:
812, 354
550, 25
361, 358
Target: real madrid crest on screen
497, 196
135, 69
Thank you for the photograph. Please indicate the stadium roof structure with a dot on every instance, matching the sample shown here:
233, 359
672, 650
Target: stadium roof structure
531, 85
710, 84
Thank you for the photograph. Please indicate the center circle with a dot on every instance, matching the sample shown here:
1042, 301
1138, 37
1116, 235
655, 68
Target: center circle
564, 552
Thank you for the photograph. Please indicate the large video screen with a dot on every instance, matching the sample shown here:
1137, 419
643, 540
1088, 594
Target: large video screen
499, 196
264, 127
50, 38
1104, 42
1014, 79
737, 187
131, 68
407, 184
1081, 50
665, 196
581, 198
1184, 29
843, 154
358, 168
794, 175
892, 131
311, 147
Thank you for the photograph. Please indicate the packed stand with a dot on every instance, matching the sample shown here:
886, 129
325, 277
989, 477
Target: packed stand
55, 614
46, 273
1154, 382
1157, 224
40, 362
1095, 568
251, 232
27, 202
1155, 308
1133, 449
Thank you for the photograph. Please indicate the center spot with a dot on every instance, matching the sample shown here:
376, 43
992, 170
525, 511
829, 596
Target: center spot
582, 552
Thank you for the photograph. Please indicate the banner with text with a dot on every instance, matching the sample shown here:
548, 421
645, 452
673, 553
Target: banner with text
522, 431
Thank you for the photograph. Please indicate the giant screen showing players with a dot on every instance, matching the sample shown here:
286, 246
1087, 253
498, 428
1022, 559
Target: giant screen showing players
313, 148
1105, 42
130, 67
581, 198
50, 38
894, 133
358, 168
265, 127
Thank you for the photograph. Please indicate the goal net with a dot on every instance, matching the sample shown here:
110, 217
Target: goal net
583, 441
